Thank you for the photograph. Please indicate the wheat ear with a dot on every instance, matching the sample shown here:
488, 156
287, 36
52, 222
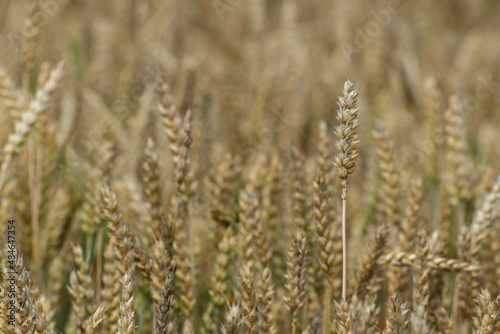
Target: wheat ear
170, 119
248, 300
397, 319
481, 307
347, 115
233, 321
96, 321
110, 294
17, 284
296, 277
324, 241
220, 282
344, 321
9, 95
80, 289
126, 320
163, 309
265, 300
152, 187
29, 118
489, 321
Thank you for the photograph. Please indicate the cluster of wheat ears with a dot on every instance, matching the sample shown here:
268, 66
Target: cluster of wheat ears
218, 192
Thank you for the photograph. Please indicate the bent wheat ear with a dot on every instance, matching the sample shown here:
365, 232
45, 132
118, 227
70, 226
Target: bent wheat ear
32, 115
31, 42
29, 118
9, 96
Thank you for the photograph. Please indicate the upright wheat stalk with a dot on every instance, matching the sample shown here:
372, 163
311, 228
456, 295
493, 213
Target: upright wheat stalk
347, 115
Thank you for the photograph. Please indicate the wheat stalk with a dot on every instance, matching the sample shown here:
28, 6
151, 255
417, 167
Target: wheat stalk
347, 115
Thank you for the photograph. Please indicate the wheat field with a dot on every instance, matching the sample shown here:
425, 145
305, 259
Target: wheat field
249, 166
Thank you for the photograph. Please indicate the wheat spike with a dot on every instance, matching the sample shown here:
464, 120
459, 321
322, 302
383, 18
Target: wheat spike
126, 323
96, 321
296, 277
233, 321
163, 309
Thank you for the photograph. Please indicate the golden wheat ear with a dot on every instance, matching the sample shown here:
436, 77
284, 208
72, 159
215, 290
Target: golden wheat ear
233, 321
9, 95
296, 277
490, 317
80, 289
126, 320
347, 115
95, 322
30, 117
248, 299
344, 321
398, 317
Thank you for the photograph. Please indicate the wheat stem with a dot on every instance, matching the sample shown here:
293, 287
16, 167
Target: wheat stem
344, 239
344, 249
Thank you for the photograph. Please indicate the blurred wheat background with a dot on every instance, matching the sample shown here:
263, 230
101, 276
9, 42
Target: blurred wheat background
179, 166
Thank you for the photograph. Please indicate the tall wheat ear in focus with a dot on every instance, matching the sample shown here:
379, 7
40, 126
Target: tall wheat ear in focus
347, 115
